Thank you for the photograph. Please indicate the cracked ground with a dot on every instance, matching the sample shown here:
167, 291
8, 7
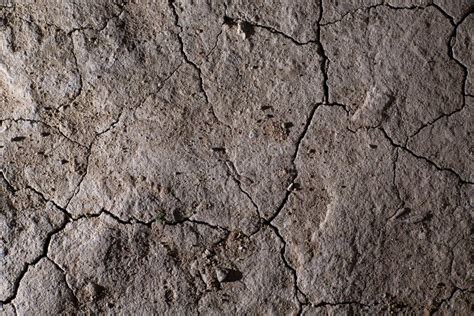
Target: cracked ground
240, 157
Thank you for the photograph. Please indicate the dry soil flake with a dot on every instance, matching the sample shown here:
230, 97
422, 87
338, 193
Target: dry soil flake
236, 157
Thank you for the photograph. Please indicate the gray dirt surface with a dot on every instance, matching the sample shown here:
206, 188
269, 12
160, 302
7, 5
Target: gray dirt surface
237, 157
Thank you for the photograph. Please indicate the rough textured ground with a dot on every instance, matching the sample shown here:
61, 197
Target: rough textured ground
237, 157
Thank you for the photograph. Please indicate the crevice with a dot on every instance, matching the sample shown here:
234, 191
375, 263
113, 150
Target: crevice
436, 308
351, 14
112, 125
149, 224
444, 13
392, 7
47, 241
70, 34
233, 20
17, 120
384, 4
73, 52
268, 222
89, 153
450, 50
291, 186
68, 220
46, 200
215, 44
234, 174
105, 24
342, 106
461, 180
297, 291
63, 271
411, 7
325, 60
154, 93
450, 47
430, 123
130, 221
78, 186
190, 220
191, 63
183, 51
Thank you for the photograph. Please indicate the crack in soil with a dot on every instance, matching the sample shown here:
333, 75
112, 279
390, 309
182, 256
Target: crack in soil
300, 296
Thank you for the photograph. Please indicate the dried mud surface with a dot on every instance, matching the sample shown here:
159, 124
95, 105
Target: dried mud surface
237, 157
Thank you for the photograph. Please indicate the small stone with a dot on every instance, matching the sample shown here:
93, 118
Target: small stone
222, 274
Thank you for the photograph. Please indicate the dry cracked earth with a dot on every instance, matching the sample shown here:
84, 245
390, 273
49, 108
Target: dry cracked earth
240, 157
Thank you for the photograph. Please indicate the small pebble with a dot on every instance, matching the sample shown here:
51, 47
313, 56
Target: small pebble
221, 274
